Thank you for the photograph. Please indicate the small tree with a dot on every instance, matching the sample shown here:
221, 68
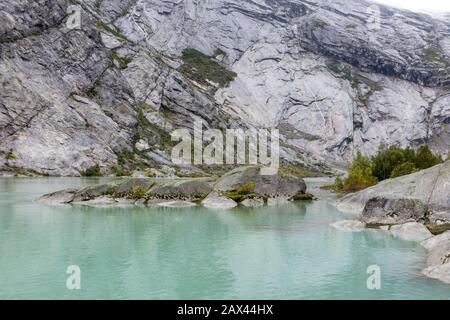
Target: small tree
360, 175
404, 169
425, 159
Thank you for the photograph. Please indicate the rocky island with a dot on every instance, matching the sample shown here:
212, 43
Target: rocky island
245, 186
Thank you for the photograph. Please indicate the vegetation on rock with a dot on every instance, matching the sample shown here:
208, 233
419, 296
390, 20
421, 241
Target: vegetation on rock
93, 171
392, 162
204, 70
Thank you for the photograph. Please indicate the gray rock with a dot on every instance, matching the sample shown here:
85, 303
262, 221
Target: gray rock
411, 231
252, 203
264, 186
429, 186
127, 187
382, 211
216, 202
436, 241
196, 189
93, 192
440, 272
59, 197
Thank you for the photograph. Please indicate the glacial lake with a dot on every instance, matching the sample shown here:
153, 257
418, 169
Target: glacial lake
286, 252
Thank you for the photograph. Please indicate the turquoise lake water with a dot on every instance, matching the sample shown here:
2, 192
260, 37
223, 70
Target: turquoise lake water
287, 252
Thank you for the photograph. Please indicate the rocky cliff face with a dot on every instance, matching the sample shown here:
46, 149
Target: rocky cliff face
336, 77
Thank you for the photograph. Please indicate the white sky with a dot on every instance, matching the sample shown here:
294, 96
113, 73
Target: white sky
419, 5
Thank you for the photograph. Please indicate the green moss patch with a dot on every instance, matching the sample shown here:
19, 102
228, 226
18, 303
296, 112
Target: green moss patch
203, 69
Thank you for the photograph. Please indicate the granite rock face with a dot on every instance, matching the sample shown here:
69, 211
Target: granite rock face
326, 73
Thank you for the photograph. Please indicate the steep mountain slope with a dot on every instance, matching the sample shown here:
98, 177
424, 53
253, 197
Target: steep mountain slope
335, 77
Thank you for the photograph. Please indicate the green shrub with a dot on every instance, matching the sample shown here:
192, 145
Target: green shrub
388, 159
241, 193
93, 171
404, 169
137, 193
201, 68
389, 163
425, 159
360, 175
338, 183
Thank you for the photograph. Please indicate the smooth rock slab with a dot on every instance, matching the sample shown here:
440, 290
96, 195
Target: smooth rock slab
441, 273
411, 231
219, 203
380, 210
349, 226
59, 197
436, 241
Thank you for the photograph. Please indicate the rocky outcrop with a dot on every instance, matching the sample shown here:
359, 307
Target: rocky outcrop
383, 211
411, 231
110, 93
242, 185
439, 261
421, 197
249, 182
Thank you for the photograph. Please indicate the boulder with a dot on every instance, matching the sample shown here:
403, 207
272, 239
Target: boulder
385, 211
411, 231
253, 203
436, 241
215, 201
249, 181
59, 197
441, 272
439, 261
194, 189
349, 226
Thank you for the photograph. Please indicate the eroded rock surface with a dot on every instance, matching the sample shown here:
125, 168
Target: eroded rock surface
109, 94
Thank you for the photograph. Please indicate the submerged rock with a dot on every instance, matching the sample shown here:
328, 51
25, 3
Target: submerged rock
273, 202
349, 226
177, 204
411, 231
